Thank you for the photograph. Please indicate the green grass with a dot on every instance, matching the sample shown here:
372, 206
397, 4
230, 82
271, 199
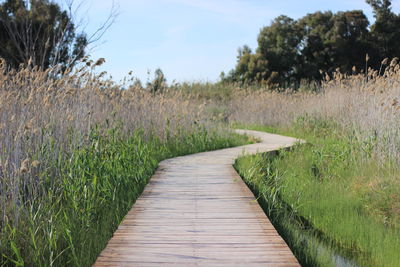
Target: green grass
67, 221
206, 90
332, 190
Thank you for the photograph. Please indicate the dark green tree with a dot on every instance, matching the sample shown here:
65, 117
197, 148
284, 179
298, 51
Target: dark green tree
350, 40
290, 51
386, 29
242, 51
251, 68
278, 44
332, 41
159, 83
316, 48
39, 32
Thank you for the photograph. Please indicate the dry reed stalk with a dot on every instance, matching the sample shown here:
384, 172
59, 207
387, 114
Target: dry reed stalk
368, 109
38, 110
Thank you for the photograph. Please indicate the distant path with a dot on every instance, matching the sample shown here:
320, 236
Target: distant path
197, 211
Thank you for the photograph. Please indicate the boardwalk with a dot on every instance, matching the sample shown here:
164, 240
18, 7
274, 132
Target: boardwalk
197, 211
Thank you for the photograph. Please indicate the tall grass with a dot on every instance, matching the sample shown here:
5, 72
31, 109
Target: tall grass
75, 153
261, 178
366, 107
345, 183
369, 110
328, 191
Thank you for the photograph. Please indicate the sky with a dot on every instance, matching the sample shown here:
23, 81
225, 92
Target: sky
190, 40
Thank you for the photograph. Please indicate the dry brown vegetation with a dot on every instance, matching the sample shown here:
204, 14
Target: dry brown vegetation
48, 119
36, 110
363, 110
345, 181
76, 151
34, 107
367, 109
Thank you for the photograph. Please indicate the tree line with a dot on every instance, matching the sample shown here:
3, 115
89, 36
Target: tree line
290, 51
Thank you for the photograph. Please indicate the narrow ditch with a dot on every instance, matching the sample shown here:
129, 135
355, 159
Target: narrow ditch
310, 246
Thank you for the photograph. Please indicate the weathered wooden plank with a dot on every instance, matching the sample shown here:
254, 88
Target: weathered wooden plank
196, 263
197, 211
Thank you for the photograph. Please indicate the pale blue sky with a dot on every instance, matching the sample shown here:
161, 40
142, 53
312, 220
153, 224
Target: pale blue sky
192, 39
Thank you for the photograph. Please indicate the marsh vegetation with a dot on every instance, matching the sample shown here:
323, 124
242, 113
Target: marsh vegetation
77, 149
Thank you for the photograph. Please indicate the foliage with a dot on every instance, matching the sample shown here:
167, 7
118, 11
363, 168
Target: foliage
75, 153
326, 191
317, 44
385, 32
39, 32
348, 170
70, 219
159, 83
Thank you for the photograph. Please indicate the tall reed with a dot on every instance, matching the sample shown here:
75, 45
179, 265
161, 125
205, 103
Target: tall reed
76, 151
368, 110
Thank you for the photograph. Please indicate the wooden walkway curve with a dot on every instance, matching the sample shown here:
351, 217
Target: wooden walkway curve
197, 211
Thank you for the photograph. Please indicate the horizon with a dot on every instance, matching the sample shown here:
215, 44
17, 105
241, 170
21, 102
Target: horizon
190, 40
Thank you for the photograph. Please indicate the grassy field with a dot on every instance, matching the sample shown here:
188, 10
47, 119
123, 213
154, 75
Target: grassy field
341, 190
332, 193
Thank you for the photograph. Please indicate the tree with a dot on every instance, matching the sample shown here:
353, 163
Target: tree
242, 51
382, 8
159, 82
250, 68
350, 40
290, 51
316, 47
386, 29
278, 44
42, 33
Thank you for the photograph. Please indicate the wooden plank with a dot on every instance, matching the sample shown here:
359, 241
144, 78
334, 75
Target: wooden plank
197, 211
